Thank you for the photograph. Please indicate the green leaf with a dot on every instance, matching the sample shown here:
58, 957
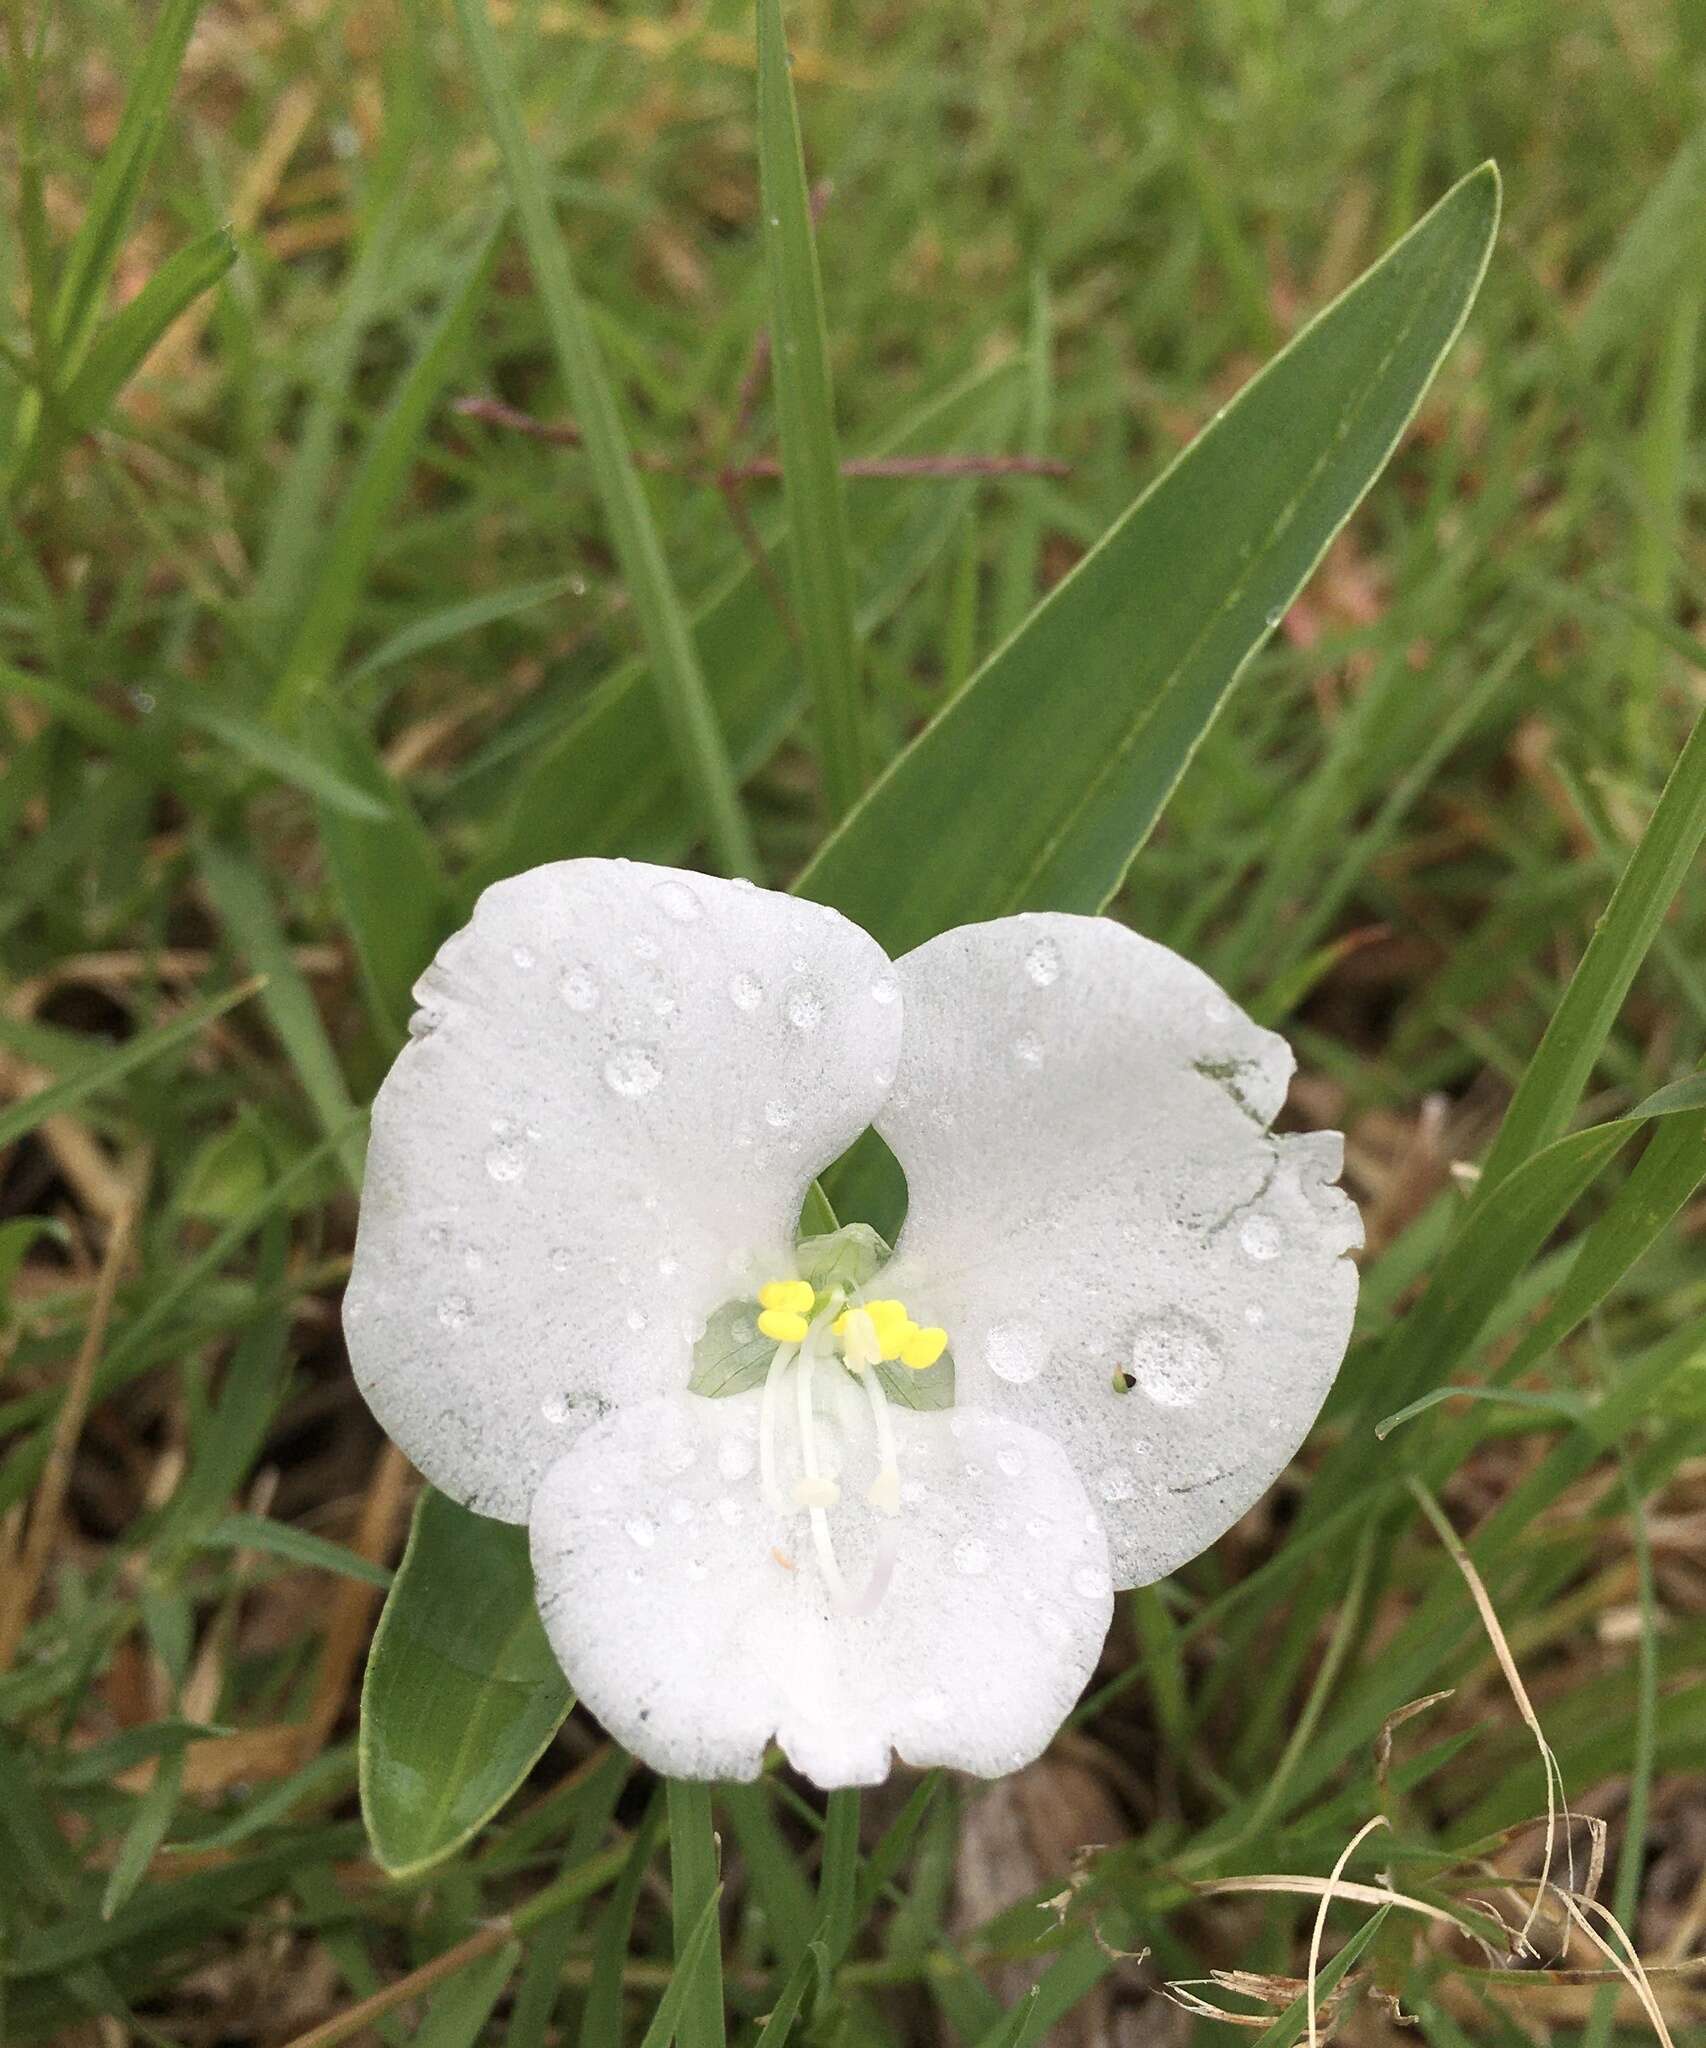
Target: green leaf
121, 346
269, 750
462, 1693
805, 415
329, 610
731, 1357
100, 1074
698, 743
694, 2001
461, 2008
421, 636
298, 1546
1552, 1084
1035, 786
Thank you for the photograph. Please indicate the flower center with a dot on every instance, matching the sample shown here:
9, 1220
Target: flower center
809, 1327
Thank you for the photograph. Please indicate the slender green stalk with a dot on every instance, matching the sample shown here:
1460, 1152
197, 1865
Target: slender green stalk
839, 1872
693, 1883
805, 413
692, 725
1547, 1095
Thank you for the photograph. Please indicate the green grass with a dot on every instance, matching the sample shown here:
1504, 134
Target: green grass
294, 656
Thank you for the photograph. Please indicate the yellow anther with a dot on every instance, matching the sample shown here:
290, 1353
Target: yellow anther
783, 1326
796, 1296
922, 1349
892, 1324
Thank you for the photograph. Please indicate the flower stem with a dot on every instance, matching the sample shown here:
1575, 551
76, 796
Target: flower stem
839, 1871
693, 1878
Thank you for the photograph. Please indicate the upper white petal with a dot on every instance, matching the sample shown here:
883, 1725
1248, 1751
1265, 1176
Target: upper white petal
623, 1080
1093, 1192
694, 1622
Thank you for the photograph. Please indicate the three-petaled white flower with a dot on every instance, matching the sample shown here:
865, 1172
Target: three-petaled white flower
583, 1195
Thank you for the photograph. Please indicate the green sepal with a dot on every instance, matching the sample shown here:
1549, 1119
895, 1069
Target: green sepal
932, 1388
848, 1258
731, 1357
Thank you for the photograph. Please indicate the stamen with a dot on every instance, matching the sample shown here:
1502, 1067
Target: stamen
767, 1429
885, 1488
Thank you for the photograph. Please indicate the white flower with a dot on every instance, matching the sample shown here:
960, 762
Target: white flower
621, 1083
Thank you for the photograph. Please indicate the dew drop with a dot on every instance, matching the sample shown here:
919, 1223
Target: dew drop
562, 1259
745, 993
663, 1006
1117, 1483
677, 901
1011, 1461
640, 1531
632, 1071
555, 1410
884, 989
523, 956
636, 1320
735, 1458
1028, 1049
1042, 963
1090, 1582
804, 1009
1174, 1360
504, 1163
1259, 1235
1217, 1010
644, 947
1016, 1352
1275, 613
578, 990
1255, 1316
971, 1556
778, 1115
425, 1022
668, 1266
454, 1312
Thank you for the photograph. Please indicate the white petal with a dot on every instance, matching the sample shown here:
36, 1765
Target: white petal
696, 1624
622, 1081
1093, 1192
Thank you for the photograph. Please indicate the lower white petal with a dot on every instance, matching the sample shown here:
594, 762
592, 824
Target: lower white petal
697, 1624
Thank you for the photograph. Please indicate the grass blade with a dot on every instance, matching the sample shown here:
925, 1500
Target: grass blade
1552, 1084
805, 412
692, 724
121, 346
697, 1986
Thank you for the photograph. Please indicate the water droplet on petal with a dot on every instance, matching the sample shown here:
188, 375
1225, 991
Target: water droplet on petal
668, 1266
804, 1009
745, 993
562, 1259
677, 901
884, 989
778, 1115
1260, 1237
644, 947
454, 1312
1028, 1049
523, 957
1217, 1010
1011, 1461
556, 1410
504, 1163
578, 990
1042, 963
636, 1320
735, 1458
1090, 1582
640, 1531
971, 1556
1174, 1360
1016, 1352
1117, 1483
632, 1071
1255, 1316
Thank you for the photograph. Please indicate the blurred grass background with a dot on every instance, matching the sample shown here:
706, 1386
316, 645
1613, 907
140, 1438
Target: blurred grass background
298, 650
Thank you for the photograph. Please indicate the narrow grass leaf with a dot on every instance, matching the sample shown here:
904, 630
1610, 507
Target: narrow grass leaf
462, 1692
1035, 786
121, 346
698, 743
1553, 1081
696, 1967
805, 414
270, 751
295, 1546
697, 1986
460, 2009
100, 1074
